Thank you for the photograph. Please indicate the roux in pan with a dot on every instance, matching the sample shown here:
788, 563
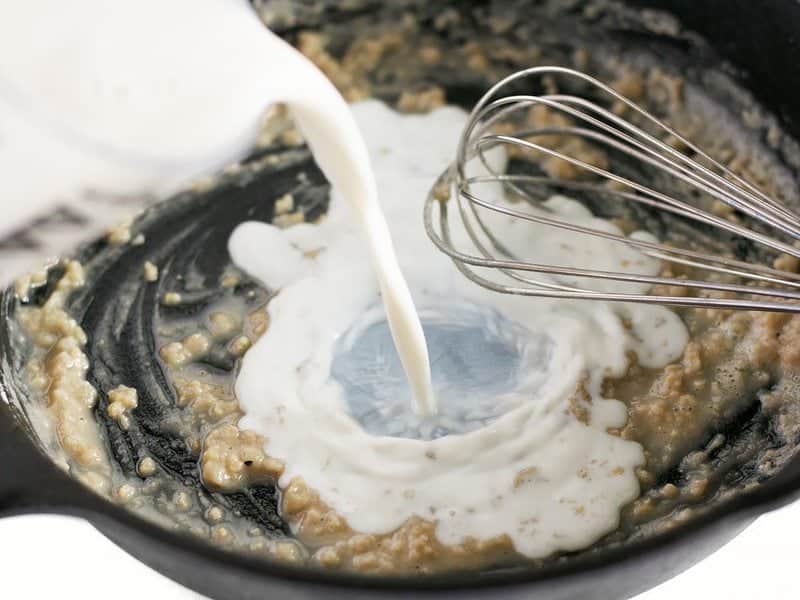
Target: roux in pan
713, 421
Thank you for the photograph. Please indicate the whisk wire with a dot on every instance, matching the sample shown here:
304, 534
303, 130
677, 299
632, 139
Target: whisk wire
652, 246
585, 120
645, 148
550, 290
686, 210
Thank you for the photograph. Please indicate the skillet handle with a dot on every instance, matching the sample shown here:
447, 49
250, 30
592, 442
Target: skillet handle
30, 482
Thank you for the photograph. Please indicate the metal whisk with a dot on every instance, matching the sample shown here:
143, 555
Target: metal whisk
641, 138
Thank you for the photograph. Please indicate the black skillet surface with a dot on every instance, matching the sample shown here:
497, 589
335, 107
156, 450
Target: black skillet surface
189, 233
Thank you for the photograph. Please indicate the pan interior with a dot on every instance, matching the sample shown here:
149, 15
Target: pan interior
172, 461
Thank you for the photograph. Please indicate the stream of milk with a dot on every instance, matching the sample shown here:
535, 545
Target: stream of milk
134, 104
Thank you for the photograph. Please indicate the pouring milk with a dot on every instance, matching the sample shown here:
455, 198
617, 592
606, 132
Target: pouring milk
144, 96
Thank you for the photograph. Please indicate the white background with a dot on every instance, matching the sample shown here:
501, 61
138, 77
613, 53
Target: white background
47, 557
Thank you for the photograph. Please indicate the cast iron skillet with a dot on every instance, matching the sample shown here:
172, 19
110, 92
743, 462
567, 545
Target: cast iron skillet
758, 39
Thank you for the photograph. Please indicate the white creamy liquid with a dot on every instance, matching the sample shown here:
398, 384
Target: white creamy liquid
130, 103
142, 96
505, 454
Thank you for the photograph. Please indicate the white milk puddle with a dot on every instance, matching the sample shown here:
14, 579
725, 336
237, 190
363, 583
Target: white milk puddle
325, 387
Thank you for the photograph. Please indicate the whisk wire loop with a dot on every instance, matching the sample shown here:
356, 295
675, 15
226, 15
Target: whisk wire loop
761, 220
